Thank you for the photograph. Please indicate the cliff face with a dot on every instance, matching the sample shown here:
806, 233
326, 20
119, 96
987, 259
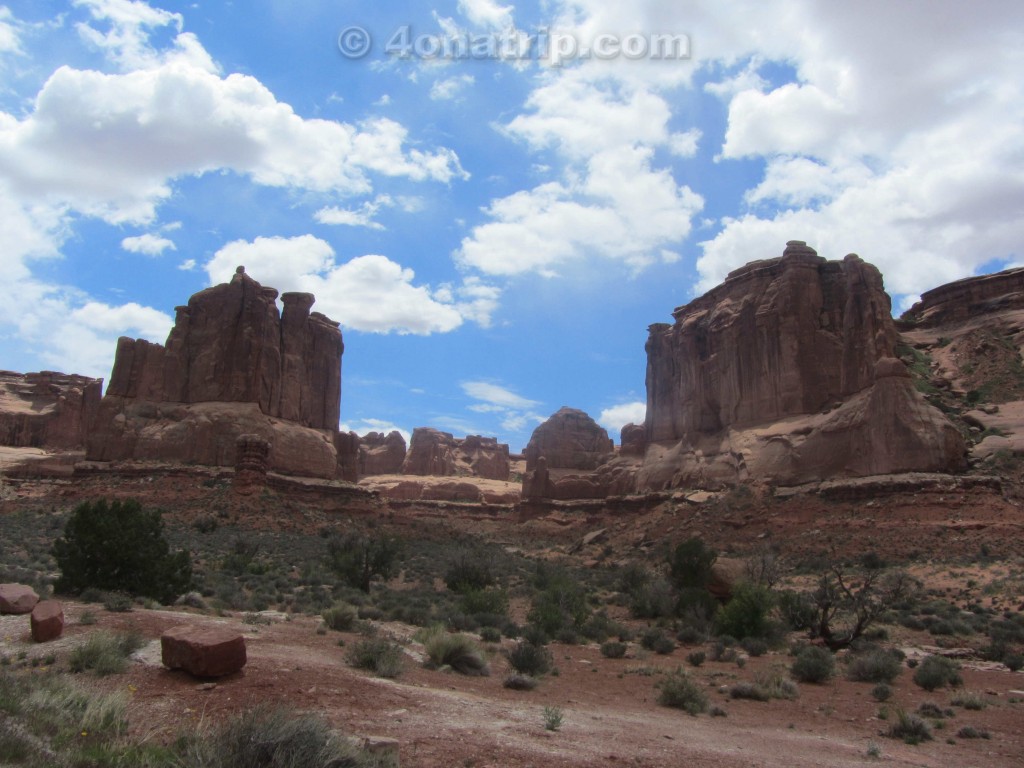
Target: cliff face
47, 409
787, 373
432, 452
778, 338
231, 345
232, 365
968, 298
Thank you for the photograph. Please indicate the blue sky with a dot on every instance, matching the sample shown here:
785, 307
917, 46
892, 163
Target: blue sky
494, 234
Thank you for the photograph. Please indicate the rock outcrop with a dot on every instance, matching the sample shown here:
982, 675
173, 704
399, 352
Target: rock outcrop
786, 373
432, 452
570, 439
967, 298
203, 652
232, 365
381, 454
47, 409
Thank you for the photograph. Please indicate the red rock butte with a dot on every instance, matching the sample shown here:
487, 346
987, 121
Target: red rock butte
232, 365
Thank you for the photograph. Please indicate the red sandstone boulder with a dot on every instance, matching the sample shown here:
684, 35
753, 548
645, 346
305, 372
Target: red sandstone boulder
346, 446
452, 491
483, 457
203, 652
380, 454
47, 621
17, 599
47, 409
633, 440
431, 452
570, 439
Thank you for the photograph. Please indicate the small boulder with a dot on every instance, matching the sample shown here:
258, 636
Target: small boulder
17, 599
203, 652
47, 621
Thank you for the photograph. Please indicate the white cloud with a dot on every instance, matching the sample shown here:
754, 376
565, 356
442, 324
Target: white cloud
615, 418
496, 395
361, 217
450, 88
148, 244
368, 293
187, 265
487, 13
10, 37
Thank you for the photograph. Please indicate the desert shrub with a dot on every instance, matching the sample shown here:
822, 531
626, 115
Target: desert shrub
271, 737
613, 649
881, 692
652, 600
567, 636
746, 615
1014, 661
517, 682
691, 635
105, 653
909, 727
117, 602
529, 659
340, 617
485, 601
776, 685
754, 646
697, 607
560, 602
680, 691
720, 651
358, 559
655, 639
875, 666
813, 665
599, 627
937, 672
933, 710
377, 655
796, 609
748, 690
205, 523
456, 651
690, 564
553, 718
490, 635
970, 732
120, 547
969, 700
696, 658
468, 573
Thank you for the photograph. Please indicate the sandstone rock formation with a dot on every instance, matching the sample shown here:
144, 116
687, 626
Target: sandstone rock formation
381, 454
232, 365
570, 439
632, 440
786, 373
967, 298
432, 452
17, 599
47, 409
252, 457
47, 621
203, 652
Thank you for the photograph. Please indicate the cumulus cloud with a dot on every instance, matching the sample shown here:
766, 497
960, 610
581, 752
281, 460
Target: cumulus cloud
487, 13
514, 411
368, 293
450, 88
615, 418
148, 244
10, 37
365, 426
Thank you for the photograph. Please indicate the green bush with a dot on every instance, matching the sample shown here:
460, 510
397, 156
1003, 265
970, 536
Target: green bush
937, 672
468, 573
613, 649
881, 692
748, 690
376, 654
776, 685
652, 600
690, 564
875, 666
655, 639
746, 615
754, 646
105, 653
120, 547
680, 691
340, 617
458, 652
909, 727
813, 665
561, 602
529, 659
270, 737
520, 682
696, 658
485, 601
358, 559
490, 635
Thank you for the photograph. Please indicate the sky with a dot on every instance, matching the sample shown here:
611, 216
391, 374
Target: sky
494, 200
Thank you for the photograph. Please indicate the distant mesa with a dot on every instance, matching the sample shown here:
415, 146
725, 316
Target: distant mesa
968, 298
47, 409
